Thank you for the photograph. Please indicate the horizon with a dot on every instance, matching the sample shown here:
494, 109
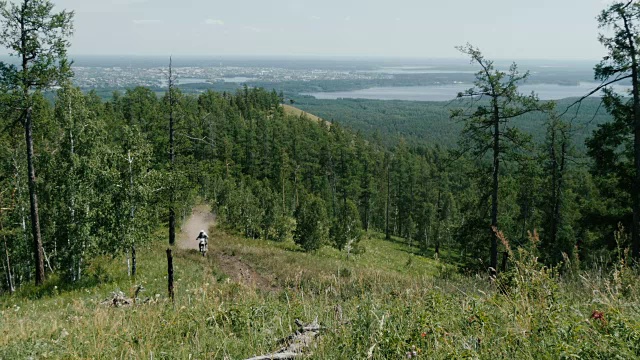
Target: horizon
321, 56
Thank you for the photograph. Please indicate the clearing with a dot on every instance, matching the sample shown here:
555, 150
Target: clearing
292, 110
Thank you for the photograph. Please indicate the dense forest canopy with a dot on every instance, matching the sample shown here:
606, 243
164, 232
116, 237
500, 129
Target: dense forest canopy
424, 122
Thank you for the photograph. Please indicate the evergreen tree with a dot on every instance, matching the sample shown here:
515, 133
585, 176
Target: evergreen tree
346, 230
621, 39
311, 223
487, 127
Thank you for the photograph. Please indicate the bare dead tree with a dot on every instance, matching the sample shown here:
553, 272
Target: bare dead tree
172, 158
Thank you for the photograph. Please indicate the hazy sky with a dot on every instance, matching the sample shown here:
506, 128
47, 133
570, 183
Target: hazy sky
508, 29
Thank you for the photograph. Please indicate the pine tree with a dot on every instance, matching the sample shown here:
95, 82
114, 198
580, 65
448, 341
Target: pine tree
311, 223
487, 123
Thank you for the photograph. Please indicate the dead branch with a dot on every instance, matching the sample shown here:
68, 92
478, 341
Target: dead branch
296, 343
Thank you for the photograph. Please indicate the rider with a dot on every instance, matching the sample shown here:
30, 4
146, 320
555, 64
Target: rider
203, 238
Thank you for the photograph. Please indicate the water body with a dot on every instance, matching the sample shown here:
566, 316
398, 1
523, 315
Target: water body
184, 81
450, 91
237, 79
415, 70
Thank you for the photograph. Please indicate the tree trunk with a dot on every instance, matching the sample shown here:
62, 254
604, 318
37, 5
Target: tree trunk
128, 263
387, 230
553, 237
134, 263
35, 220
10, 281
635, 249
494, 193
172, 224
560, 187
525, 217
635, 229
172, 214
333, 186
438, 219
170, 275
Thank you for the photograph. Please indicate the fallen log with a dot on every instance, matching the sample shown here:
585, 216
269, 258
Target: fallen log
118, 299
277, 356
296, 343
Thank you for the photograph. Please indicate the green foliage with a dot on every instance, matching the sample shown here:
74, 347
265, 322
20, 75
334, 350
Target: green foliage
427, 123
35, 35
39, 37
311, 223
282, 227
615, 146
488, 132
346, 231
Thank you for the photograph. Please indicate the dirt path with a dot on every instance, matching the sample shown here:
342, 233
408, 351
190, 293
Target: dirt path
233, 266
201, 219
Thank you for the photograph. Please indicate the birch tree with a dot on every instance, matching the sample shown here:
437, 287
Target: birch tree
38, 37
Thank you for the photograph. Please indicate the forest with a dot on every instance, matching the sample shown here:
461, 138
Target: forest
109, 171
497, 188
429, 123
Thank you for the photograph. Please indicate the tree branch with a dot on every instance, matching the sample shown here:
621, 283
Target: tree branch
598, 88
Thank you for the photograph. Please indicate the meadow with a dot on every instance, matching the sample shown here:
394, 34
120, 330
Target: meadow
385, 303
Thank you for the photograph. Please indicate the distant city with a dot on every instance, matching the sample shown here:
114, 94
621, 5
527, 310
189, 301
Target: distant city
325, 78
123, 77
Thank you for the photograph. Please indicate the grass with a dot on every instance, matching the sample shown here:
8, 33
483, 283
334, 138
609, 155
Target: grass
292, 110
379, 303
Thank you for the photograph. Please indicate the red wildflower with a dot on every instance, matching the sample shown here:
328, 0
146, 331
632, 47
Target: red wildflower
598, 315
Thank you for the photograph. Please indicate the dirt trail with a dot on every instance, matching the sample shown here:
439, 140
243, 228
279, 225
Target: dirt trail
201, 219
233, 266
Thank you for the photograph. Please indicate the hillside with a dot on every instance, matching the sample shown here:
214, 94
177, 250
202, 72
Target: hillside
383, 304
294, 111
428, 123
347, 229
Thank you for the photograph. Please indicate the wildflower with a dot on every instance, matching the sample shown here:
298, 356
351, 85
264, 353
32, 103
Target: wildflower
424, 334
598, 315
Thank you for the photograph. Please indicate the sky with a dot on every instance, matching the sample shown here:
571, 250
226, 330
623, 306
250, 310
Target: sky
502, 29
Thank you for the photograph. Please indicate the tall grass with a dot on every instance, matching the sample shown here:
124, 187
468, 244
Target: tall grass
378, 305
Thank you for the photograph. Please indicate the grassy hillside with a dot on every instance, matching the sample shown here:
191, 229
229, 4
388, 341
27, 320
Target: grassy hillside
292, 110
387, 302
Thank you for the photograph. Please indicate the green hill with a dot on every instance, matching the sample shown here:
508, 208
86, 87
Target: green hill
384, 303
428, 123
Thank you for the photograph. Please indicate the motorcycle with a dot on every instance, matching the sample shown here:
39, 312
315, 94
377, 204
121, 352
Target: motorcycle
202, 246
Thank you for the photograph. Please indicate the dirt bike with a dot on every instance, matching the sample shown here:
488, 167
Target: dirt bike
202, 246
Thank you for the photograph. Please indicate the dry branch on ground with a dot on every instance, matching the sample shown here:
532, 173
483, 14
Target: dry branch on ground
295, 344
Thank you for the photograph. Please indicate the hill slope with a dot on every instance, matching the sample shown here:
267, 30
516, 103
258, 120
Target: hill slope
385, 303
428, 123
292, 110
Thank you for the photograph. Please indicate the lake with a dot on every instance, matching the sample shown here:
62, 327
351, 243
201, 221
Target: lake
450, 91
237, 79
